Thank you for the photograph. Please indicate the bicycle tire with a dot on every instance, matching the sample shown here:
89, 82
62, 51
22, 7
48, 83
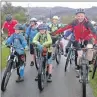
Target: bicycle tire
94, 71
7, 74
40, 76
84, 80
58, 55
36, 65
67, 61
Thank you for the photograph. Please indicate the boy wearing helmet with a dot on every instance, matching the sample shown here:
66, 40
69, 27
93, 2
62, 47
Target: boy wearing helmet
30, 34
81, 28
43, 39
52, 28
19, 42
9, 25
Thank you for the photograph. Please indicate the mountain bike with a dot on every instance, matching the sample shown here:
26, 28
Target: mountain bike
12, 60
42, 70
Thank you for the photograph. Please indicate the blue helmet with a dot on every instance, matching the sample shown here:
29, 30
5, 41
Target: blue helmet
8, 17
42, 27
80, 11
19, 27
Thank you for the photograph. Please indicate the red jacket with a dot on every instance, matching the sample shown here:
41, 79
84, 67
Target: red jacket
80, 30
10, 26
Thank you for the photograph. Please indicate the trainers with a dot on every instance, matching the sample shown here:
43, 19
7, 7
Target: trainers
32, 63
77, 68
49, 78
20, 79
36, 79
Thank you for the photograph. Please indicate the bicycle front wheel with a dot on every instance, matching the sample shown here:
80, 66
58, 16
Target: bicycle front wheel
6, 76
58, 55
84, 80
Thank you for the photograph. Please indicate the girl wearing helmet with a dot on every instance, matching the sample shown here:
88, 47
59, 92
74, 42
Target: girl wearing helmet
31, 31
43, 39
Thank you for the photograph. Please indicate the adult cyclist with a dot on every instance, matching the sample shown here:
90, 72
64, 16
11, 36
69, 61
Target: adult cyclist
81, 28
9, 25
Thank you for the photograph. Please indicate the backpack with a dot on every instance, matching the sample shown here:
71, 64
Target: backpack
52, 27
17, 38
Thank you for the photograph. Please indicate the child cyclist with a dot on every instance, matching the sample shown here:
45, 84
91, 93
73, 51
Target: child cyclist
30, 34
19, 42
43, 39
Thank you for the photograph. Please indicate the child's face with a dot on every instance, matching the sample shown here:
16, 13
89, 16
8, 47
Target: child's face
32, 23
17, 31
42, 31
80, 17
55, 21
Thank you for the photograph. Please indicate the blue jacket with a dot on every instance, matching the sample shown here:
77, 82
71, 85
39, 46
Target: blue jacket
18, 41
31, 32
69, 33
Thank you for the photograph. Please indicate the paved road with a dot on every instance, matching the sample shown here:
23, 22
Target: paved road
63, 85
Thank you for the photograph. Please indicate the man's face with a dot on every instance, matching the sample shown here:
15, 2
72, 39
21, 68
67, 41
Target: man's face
55, 21
80, 17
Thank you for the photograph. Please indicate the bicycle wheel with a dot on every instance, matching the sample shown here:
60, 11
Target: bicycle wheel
84, 80
36, 60
67, 60
94, 71
41, 77
58, 55
6, 76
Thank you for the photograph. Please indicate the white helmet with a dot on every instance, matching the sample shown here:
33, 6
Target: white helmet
93, 22
56, 17
33, 20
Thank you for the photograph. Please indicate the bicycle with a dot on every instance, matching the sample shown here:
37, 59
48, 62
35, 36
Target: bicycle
36, 57
95, 66
42, 70
84, 68
70, 56
58, 50
11, 65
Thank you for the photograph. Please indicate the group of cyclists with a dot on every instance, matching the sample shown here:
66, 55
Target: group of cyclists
46, 35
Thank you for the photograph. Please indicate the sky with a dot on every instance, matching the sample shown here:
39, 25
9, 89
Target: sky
53, 4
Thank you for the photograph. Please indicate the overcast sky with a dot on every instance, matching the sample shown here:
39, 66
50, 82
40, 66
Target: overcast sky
53, 4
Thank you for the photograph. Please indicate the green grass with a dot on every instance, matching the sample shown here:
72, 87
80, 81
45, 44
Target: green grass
5, 53
93, 83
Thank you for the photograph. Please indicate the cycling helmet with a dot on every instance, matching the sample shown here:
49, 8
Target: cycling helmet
19, 27
33, 20
93, 22
56, 17
42, 27
8, 17
80, 11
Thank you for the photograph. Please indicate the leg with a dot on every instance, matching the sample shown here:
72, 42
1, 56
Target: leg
49, 67
32, 53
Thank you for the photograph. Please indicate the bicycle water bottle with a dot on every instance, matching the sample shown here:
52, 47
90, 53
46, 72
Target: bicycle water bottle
22, 71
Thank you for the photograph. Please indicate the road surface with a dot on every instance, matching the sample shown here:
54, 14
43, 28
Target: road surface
63, 85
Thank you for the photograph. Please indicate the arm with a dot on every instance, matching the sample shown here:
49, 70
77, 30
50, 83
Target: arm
91, 28
61, 30
27, 32
35, 39
9, 40
49, 42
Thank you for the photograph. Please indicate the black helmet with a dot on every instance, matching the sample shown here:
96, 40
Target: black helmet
80, 11
18, 27
8, 17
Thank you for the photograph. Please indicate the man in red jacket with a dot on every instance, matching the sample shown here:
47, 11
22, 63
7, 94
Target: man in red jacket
81, 29
9, 24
